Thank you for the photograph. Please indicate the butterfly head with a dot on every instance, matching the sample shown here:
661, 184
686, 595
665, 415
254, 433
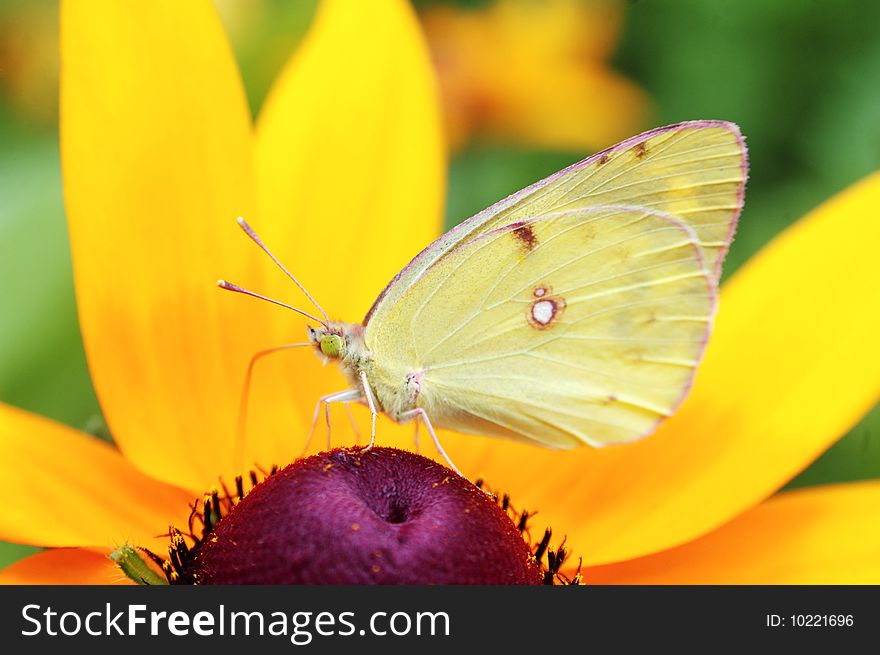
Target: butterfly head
339, 341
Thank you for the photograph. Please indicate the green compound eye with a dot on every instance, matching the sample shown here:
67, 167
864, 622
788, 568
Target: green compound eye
332, 345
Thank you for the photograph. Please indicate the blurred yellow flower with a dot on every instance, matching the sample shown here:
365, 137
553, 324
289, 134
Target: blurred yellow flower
345, 172
29, 60
534, 73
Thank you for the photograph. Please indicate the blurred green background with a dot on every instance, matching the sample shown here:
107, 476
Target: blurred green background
800, 77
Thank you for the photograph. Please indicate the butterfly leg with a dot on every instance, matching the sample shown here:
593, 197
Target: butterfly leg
416, 438
327, 421
338, 397
369, 395
419, 413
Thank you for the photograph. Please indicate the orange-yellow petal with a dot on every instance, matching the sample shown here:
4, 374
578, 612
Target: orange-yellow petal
552, 111
156, 155
350, 173
793, 363
820, 535
69, 489
67, 566
545, 80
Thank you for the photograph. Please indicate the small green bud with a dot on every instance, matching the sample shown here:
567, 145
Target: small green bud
134, 566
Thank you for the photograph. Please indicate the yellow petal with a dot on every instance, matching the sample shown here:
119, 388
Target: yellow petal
560, 29
553, 83
793, 363
820, 535
70, 489
350, 173
156, 156
571, 98
544, 81
68, 566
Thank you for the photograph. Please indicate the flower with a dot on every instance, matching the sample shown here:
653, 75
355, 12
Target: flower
533, 73
384, 516
347, 178
29, 61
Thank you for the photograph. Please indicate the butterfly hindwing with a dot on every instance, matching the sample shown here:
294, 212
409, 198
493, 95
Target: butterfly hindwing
580, 326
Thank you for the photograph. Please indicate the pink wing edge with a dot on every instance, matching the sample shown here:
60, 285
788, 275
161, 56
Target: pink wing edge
480, 217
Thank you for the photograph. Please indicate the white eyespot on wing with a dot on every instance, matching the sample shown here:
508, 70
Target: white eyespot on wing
543, 311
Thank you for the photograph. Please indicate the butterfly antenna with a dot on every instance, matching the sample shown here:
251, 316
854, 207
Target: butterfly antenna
253, 235
229, 286
238, 451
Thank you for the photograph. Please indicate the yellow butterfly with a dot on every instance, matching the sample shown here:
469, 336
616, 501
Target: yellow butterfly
572, 312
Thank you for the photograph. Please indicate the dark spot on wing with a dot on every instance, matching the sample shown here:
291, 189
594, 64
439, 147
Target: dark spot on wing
526, 236
640, 150
603, 158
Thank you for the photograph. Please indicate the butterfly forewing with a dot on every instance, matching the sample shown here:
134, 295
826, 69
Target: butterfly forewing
695, 171
580, 326
696, 175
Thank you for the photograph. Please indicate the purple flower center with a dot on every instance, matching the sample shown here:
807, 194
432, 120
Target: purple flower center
385, 516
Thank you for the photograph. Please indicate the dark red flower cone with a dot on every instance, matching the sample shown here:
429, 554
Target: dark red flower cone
384, 516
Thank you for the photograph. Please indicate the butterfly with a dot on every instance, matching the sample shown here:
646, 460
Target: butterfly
573, 312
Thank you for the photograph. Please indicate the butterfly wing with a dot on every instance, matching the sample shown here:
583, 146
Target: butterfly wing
582, 326
695, 171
